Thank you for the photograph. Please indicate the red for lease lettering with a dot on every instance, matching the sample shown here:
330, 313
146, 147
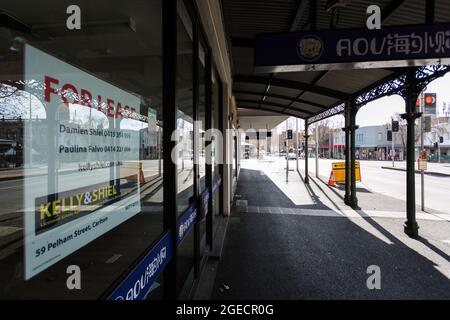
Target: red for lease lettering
85, 98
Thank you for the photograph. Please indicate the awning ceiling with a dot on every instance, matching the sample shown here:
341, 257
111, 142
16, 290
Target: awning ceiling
306, 94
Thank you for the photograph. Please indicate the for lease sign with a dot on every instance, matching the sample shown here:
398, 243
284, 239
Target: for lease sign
81, 132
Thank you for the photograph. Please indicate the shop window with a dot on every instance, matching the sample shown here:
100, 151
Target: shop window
185, 140
88, 191
216, 145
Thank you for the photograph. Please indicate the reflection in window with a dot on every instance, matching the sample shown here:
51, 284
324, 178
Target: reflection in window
185, 115
128, 62
216, 156
202, 118
184, 154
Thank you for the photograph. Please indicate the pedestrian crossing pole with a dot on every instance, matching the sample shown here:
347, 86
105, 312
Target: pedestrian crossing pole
287, 161
422, 172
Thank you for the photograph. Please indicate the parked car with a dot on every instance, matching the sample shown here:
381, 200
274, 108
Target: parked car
291, 156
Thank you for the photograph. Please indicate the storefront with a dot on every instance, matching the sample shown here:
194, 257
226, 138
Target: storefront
106, 150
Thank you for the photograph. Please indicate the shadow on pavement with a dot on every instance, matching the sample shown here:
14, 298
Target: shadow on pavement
286, 256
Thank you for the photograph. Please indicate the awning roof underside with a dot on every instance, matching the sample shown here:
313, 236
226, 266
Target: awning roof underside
307, 94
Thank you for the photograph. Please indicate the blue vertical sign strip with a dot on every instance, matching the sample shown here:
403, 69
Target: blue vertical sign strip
186, 222
138, 283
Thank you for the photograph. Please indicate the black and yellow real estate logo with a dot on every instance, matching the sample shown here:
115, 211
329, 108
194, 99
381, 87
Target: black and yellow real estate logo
58, 209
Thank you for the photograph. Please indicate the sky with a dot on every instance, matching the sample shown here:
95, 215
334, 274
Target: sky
380, 111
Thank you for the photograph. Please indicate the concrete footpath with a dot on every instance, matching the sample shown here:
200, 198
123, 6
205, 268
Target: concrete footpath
291, 241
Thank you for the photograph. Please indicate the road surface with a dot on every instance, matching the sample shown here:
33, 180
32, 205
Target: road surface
390, 182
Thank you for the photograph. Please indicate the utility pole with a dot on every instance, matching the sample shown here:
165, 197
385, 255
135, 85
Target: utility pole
422, 172
287, 163
392, 143
329, 144
393, 149
287, 153
439, 150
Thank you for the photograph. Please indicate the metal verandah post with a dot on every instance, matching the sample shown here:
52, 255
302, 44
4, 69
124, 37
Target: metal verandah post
346, 129
353, 128
410, 95
306, 152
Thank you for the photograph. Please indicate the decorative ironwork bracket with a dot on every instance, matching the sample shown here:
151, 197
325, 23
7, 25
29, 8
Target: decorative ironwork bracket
396, 85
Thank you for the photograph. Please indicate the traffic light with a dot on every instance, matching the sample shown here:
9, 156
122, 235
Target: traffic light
389, 135
430, 103
395, 126
441, 140
289, 135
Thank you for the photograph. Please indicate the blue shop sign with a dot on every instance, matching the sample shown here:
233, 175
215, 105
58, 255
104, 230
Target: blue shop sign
186, 222
139, 282
356, 48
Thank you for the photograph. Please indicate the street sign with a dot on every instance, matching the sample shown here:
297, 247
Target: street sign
422, 165
422, 161
339, 172
429, 103
412, 45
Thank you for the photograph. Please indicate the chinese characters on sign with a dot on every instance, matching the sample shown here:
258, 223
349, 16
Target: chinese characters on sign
396, 43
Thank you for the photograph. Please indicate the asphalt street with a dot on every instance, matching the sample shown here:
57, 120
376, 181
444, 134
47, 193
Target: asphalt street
392, 183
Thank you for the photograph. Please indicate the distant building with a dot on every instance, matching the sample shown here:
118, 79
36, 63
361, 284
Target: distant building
372, 142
